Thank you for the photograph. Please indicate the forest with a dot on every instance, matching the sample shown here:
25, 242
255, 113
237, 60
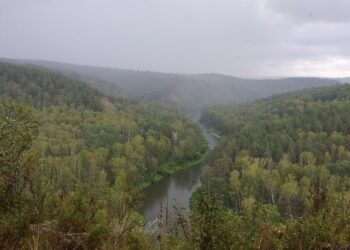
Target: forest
74, 162
282, 172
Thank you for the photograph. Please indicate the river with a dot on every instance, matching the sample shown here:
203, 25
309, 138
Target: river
177, 188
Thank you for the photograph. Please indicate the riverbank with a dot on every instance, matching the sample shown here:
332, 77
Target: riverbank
172, 168
177, 183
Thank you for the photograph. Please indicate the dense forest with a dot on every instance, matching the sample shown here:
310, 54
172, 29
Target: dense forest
73, 162
281, 176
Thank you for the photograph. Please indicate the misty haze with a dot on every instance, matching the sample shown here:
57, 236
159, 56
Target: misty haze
188, 124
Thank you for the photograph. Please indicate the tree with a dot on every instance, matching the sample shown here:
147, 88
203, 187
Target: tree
289, 190
23, 191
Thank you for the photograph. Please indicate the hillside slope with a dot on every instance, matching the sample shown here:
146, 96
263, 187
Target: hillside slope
282, 173
187, 92
73, 162
69, 111
40, 88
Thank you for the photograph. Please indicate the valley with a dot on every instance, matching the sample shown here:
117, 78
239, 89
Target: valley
82, 166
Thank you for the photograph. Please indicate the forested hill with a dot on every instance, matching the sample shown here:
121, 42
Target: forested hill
71, 171
41, 88
73, 162
74, 118
187, 92
301, 106
283, 171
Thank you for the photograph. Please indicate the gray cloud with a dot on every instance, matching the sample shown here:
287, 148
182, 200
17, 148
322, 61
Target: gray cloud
239, 37
312, 10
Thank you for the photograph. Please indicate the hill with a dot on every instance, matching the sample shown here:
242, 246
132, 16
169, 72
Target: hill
40, 87
73, 162
283, 170
343, 79
187, 92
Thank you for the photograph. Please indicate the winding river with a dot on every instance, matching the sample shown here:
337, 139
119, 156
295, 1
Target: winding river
177, 188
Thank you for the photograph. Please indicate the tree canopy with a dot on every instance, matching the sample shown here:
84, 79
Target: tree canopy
284, 167
73, 162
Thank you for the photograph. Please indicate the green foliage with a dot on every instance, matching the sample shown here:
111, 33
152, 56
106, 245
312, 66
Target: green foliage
72, 178
23, 189
283, 168
40, 88
71, 169
213, 226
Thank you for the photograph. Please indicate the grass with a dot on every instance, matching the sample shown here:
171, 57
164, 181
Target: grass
171, 168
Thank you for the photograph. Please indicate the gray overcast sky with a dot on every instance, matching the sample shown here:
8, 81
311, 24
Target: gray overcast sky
249, 38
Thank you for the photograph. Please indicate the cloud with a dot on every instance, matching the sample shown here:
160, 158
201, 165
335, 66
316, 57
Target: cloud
321, 67
239, 37
312, 10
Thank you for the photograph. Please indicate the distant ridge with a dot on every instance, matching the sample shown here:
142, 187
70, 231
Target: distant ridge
187, 92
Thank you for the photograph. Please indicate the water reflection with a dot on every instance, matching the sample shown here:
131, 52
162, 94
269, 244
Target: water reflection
175, 189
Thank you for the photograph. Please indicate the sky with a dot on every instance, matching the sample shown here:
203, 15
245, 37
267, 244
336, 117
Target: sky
247, 38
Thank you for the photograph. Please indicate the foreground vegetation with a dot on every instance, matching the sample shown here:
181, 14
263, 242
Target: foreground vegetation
72, 168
